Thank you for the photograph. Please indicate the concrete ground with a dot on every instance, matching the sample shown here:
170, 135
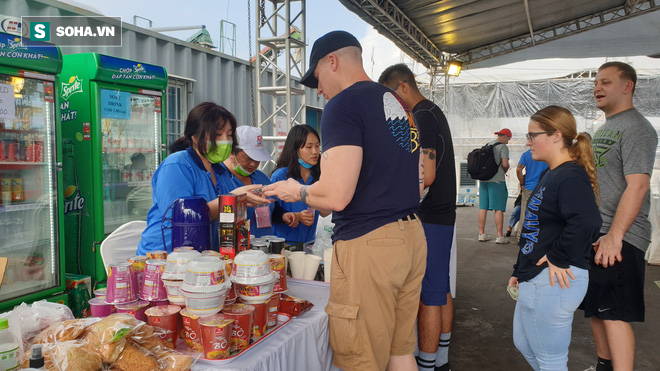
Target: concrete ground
482, 334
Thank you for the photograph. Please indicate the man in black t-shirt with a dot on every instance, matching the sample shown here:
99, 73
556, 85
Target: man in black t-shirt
438, 214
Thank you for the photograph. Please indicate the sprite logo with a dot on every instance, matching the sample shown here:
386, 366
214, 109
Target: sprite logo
73, 86
73, 201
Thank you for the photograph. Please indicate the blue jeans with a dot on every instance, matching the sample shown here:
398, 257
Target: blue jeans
515, 216
543, 318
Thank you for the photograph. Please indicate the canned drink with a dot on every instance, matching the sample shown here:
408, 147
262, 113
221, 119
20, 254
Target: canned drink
126, 175
3, 150
138, 176
38, 151
5, 183
145, 174
134, 176
12, 151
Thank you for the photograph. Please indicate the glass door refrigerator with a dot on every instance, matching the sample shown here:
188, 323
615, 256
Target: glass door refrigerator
30, 209
113, 126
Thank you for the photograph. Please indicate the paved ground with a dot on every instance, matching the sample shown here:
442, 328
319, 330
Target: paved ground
482, 335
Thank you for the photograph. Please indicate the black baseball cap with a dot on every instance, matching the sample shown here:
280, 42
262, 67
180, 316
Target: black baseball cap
325, 45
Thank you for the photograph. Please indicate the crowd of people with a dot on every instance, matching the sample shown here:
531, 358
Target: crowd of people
386, 173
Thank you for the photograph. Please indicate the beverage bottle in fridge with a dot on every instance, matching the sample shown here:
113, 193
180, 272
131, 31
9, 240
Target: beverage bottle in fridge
5, 183
9, 353
17, 193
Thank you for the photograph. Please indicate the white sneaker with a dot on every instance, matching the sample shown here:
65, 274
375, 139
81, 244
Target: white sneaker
502, 240
591, 368
484, 237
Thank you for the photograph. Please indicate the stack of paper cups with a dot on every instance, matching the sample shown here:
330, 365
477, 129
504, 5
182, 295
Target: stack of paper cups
297, 263
311, 266
327, 263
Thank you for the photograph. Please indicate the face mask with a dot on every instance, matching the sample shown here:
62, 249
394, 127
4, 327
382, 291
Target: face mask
239, 169
304, 164
221, 152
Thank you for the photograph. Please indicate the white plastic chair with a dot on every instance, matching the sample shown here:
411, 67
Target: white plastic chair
122, 243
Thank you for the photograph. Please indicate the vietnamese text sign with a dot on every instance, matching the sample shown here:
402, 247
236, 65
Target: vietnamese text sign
115, 104
7, 102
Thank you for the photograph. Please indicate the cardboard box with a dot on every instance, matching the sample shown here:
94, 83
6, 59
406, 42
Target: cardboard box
234, 228
79, 289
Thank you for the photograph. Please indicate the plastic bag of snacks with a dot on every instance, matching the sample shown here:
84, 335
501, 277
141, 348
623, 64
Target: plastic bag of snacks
117, 342
294, 306
73, 355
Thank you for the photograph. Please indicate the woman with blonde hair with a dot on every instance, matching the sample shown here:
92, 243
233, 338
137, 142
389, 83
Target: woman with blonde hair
560, 224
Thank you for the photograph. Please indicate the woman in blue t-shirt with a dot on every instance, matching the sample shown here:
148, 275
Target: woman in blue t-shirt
194, 171
299, 160
241, 169
561, 222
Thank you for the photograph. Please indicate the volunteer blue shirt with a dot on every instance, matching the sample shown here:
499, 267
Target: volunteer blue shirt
181, 174
369, 115
229, 181
301, 233
533, 169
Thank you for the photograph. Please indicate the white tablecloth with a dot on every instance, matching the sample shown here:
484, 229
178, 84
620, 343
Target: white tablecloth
302, 344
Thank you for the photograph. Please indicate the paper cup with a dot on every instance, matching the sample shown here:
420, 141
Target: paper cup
157, 254
327, 263
192, 332
216, 336
153, 288
259, 320
273, 304
242, 326
167, 318
311, 266
136, 309
122, 284
297, 264
100, 308
278, 265
139, 263
204, 303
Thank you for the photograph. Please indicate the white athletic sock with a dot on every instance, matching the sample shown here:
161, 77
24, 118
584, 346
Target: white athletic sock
442, 355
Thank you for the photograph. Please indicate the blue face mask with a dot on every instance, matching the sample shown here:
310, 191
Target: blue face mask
304, 164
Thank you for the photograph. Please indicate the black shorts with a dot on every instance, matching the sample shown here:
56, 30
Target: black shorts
616, 293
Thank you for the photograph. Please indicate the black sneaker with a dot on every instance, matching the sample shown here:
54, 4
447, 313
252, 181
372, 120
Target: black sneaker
444, 367
508, 234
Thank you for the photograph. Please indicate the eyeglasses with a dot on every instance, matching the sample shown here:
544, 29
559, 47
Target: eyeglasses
531, 135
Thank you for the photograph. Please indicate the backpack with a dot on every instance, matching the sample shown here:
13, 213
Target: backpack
481, 163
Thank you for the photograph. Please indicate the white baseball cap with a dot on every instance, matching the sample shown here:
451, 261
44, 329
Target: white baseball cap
250, 141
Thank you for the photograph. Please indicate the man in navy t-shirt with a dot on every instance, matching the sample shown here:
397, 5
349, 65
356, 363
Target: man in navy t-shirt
371, 178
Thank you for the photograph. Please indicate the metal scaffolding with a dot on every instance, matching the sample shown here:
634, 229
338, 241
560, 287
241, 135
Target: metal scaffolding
281, 32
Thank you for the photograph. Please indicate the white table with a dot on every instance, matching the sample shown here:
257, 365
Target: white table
303, 344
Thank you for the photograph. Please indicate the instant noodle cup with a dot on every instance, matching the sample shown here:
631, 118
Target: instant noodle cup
216, 336
157, 303
251, 267
231, 294
204, 271
273, 303
167, 318
122, 284
139, 263
177, 262
100, 308
135, 309
212, 253
205, 303
173, 288
255, 293
259, 320
153, 288
192, 333
101, 293
242, 326
278, 266
183, 248
157, 254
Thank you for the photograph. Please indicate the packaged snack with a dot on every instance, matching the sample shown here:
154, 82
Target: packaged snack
293, 306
